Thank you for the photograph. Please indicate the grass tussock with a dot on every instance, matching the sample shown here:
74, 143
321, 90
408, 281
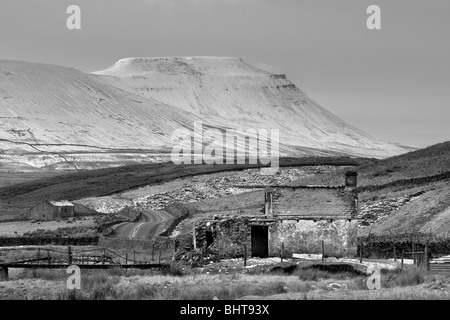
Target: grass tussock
315, 274
45, 274
409, 277
222, 291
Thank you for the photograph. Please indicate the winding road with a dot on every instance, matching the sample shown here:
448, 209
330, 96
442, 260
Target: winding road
150, 224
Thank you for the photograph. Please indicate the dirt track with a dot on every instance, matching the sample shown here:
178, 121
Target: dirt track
150, 224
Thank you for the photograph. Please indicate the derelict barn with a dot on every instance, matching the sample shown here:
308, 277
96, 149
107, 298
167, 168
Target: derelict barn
50, 210
296, 219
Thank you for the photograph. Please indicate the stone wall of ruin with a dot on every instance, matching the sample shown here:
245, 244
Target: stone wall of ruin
305, 236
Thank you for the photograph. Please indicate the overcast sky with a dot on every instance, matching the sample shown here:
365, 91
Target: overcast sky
393, 83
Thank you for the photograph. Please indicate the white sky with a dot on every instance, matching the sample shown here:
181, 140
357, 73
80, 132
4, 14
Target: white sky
393, 83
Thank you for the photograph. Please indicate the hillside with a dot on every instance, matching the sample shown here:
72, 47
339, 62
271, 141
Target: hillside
431, 161
59, 118
425, 214
17, 199
409, 193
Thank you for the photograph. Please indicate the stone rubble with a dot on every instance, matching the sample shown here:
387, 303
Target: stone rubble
215, 187
266, 265
375, 211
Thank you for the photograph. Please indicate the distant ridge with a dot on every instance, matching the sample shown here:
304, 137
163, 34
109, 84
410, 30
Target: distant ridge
228, 92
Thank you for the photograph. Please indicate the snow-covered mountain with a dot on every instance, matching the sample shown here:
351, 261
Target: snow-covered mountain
231, 93
51, 115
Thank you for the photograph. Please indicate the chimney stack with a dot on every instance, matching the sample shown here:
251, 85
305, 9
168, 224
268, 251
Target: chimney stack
351, 179
268, 200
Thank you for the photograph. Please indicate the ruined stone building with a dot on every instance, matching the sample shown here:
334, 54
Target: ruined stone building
295, 219
49, 210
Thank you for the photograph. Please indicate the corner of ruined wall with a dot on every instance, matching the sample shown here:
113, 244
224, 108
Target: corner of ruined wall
229, 238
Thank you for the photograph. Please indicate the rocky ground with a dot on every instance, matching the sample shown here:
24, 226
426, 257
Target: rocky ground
267, 265
199, 188
375, 211
218, 185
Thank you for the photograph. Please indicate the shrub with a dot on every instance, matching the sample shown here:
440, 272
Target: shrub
408, 277
173, 270
311, 274
145, 291
101, 291
70, 295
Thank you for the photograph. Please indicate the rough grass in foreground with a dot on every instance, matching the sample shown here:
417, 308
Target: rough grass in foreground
309, 284
411, 276
310, 274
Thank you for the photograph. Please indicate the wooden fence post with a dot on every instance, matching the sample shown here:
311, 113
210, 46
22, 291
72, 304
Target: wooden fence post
159, 260
282, 251
104, 257
426, 257
245, 255
126, 258
69, 252
323, 250
403, 252
134, 256
201, 257
395, 253
360, 252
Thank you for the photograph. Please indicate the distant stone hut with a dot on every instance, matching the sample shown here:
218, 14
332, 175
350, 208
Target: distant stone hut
296, 219
51, 210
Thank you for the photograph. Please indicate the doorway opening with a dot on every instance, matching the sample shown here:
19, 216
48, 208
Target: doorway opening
260, 241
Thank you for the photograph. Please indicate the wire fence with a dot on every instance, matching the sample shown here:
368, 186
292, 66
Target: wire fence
426, 250
71, 255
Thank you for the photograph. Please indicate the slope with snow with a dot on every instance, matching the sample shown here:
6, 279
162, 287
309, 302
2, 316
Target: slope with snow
228, 92
61, 117
51, 104
47, 110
